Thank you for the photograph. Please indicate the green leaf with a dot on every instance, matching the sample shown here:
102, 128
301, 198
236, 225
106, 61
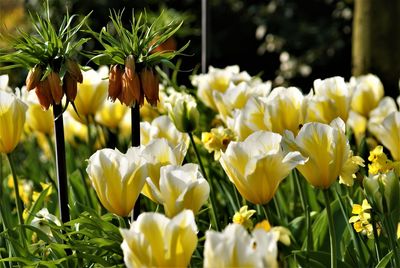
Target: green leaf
37, 205
385, 260
317, 259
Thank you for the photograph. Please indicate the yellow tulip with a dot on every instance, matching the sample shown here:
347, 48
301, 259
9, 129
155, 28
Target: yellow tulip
258, 164
12, 120
162, 127
284, 110
331, 99
235, 247
367, 92
236, 96
156, 154
358, 124
249, 119
215, 80
388, 133
153, 240
111, 114
116, 178
74, 130
328, 152
181, 187
91, 95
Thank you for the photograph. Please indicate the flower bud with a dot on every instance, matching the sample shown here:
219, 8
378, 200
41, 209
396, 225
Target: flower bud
74, 70
130, 66
150, 85
33, 78
183, 112
43, 94
55, 87
383, 192
115, 82
70, 87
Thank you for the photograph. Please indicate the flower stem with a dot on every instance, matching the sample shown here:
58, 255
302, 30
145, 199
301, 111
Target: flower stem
135, 136
376, 237
354, 237
18, 200
267, 213
89, 135
61, 165
306, 209
331, 228
212, 191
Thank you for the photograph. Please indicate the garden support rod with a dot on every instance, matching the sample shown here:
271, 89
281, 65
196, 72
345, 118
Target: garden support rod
135, 130
61, 166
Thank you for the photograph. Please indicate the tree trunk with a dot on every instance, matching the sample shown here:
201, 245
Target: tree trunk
361, 45
376, 41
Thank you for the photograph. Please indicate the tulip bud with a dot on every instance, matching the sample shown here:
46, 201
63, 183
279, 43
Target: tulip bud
130, 90
115, 82
33, 78
43, 93
383, 192
130, 66
55, 87
74, 70
183, 112
150, 85
70, 87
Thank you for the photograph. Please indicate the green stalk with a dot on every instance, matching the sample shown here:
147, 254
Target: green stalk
212, 191
306, 209
391, 230
89, 134
355, 240
267, 213
331, 228
18, 200
376, 237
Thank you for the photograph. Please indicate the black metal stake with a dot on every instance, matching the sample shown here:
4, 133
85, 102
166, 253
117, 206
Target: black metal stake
204, 36
135, 130
61, 166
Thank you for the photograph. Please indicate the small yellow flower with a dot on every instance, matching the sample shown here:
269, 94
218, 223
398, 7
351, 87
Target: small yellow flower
361, 219
380, 163
216, 140
263, 225
243, 217
284, 233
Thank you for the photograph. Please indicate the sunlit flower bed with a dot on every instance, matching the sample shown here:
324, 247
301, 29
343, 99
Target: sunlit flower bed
229, 173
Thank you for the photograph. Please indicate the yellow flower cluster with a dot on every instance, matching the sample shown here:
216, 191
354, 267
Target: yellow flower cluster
243, 217
380, 163
361, 219
217, 140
